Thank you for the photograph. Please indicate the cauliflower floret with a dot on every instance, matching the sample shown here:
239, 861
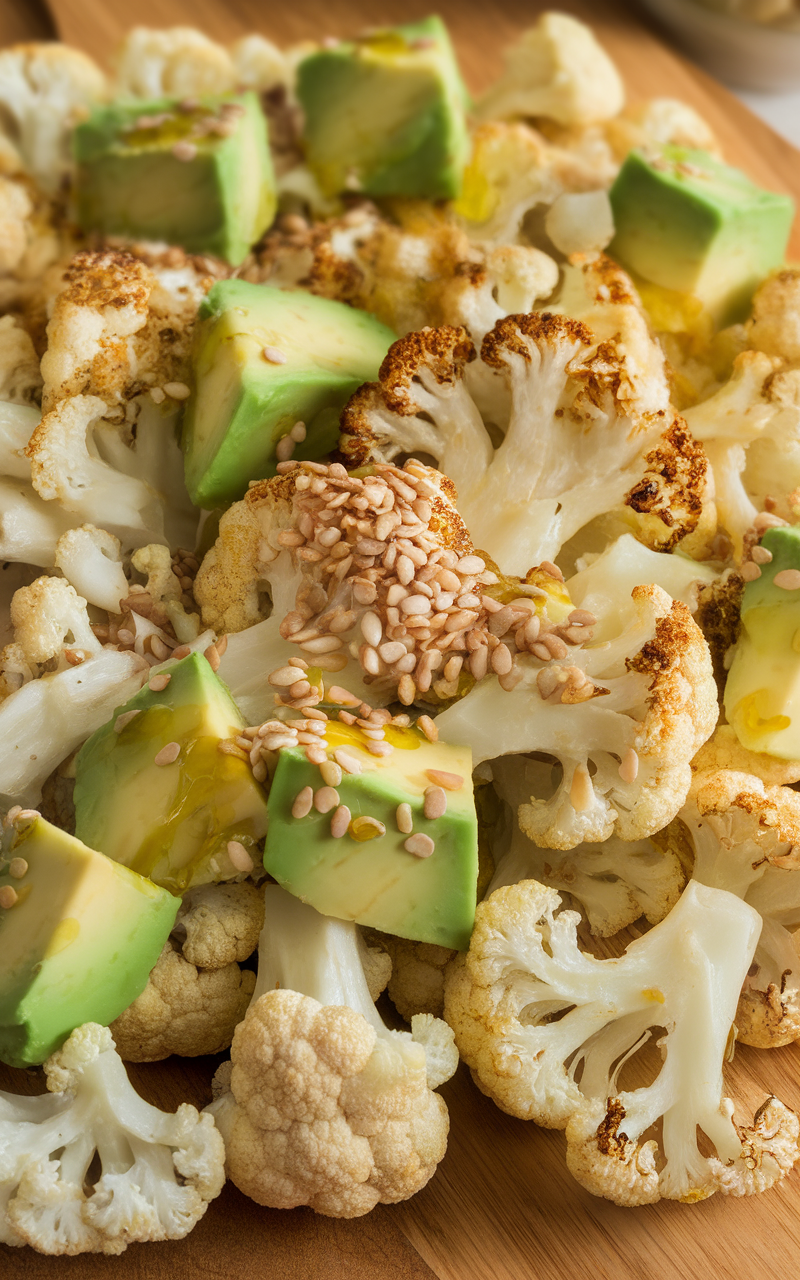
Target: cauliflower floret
183, 1009
50, 622
157, 1172
589, 429
724, 751
219, 924
260, 65
327, 1106
745, 838
45, 90
90, 559
636, 710
660, 122
417, 981
524, 967
178, 62
165, 597
614, 883
20, 379
559, 70
774, 326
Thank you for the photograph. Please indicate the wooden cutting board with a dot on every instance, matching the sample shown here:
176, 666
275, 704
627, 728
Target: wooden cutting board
501, 1206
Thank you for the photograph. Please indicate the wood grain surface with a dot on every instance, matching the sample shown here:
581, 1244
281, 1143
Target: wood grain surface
501, 1206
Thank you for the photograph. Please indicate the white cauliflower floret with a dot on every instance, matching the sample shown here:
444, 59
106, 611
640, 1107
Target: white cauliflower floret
219, 924
745, 839
547, 1029
178, 62
559, 70
663, 122
580, 222
157, 1172
50, 622
45, 90
165, 606
20, 379
635, 709
586, 434
90, 560
774, 326
327, 1106
259, 64
614, 883
724, 751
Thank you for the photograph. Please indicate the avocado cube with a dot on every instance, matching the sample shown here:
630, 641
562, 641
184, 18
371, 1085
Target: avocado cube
265, 359
688, 222
367, 876
79, 938
386, 114
762, 692
169, 814
194, 173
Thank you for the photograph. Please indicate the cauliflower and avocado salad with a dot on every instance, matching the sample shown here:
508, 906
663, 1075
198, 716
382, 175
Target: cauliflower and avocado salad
400, 531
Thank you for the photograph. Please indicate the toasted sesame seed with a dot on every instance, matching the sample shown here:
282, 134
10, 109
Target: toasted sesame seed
183, 150
416, 604
321, 644
325, 799
582, 618
8, 896
629, 767
177, 390
479, 663
260, 771
303, 802
501, 660
168, 754
348, 762
17, 868
435, 803
379, 748
552, 570
298, 432
283, 677
761, 555
581, 792
420, 845
240, 857
284, 448
340, 821
279, 741
428, 727
450, 781
788, 579
453, 668
125, 719
372, 629
331, 773
406, 690
750, 571
159, 682
273, 355
404, 819
212, 657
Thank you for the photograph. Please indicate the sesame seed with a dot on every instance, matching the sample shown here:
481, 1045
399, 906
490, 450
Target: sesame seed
343, 696
404, 819
406, 690
240, 857
302, 803
168, 754
629, 767
8, 896
761, 555
331, 773
17, 868
420, 845
279, 741
273, 355
372, 629
552, 570
581, 792
322, 644
184, 150
450, 781
212, 657
125, 719
340, 821
177, 390
348, 762
479, 663
788, 579
325, 799
501, 660
260, 771
158, 682
284, 449
125, 636
435, 803
470, 565
428, 727
379, 748
316, 755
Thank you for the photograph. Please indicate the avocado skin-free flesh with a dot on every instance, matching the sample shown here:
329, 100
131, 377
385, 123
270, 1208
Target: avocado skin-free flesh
378, 882
386, 114
79, 943
242, 404
171, 822
762, 692
688, 222
130, 182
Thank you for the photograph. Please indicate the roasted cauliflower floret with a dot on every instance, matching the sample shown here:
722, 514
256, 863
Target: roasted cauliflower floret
219, 924
544, 1028
774, 326
178, 62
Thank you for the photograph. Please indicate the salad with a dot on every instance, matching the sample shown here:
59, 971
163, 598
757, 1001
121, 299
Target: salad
400, 528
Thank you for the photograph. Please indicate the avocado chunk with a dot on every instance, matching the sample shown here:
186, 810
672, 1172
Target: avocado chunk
386, 114
367, 875
688, 222
762, 693
78, 940
264, 360
170, 814
194, 173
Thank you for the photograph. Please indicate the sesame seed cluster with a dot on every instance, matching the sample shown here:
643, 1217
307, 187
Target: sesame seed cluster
757, 556
394, 580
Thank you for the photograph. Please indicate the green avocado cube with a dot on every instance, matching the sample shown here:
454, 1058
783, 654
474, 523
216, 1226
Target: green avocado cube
386, 114
367, 874
194, 173
264, 360
686, 221
762, 692
79, 938
154, 790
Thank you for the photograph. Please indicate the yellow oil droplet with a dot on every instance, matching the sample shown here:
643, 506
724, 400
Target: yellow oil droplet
653, 993
63, 936
747, 714
365, 828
